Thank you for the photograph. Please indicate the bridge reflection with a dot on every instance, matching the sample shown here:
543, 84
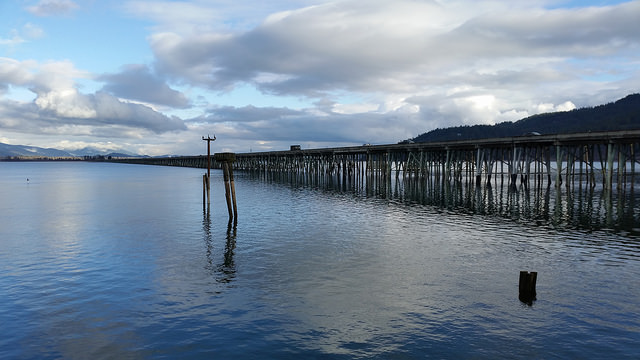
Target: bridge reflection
582, 207
223, 270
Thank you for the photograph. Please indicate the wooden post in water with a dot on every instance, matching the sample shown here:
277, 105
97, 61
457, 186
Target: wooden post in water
547, 162
490, 166
227, 159
633, 165
479, 159
207, 179
227, 187
527, 286
205, 188
558, 166
609, 171
233, 192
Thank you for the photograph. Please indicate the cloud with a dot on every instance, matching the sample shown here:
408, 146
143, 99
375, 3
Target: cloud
271, 124
28, 32
178, 16
356, 71
13, 72
71, 113
13, 39
57, 110
32, 31
59, 107
51, 75
586, 32
110, 110
250, 113
52, 7
374, 45
504, 50
190, 17
136, 82
67, 103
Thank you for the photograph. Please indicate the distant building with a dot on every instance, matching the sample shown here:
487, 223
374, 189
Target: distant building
295, 147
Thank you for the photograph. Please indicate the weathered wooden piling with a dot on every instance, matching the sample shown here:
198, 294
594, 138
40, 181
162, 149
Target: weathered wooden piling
207, 176
527, 286
205, 188
226, 160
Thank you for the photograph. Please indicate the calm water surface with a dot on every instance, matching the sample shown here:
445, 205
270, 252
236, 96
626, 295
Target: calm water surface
124, 262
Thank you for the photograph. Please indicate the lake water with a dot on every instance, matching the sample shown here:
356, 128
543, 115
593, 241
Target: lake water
120, 261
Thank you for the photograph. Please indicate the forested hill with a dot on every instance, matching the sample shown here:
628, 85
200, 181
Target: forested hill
623, 114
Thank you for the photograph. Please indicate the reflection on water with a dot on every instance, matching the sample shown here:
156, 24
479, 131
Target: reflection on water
225, 271
577, 207
99, 262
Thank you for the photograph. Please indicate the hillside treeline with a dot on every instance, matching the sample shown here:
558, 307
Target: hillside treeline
623, 114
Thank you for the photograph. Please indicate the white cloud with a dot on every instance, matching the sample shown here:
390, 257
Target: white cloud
15, 72
191, 17
400, 46
13, 39
59, 106
565, 106
104, 146
354, 108
32, 31
67, 104
52, 7
54, 75
16, 37
177, 15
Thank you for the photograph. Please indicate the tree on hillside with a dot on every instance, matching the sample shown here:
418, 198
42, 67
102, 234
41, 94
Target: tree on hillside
623, 114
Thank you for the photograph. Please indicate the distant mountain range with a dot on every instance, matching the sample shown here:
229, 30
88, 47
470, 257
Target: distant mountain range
7, 150
623, 114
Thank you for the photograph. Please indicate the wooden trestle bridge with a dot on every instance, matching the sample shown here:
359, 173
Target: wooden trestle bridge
607, 158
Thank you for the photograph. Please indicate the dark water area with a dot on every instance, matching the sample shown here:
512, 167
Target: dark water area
124, 261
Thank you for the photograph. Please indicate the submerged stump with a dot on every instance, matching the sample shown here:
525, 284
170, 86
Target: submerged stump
527, 287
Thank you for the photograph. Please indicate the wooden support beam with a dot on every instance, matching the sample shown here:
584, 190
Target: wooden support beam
609, 170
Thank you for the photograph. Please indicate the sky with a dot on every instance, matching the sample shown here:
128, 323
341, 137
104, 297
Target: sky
154, 77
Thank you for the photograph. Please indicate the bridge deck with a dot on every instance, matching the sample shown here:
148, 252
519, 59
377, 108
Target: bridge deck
623, 137
607, 157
